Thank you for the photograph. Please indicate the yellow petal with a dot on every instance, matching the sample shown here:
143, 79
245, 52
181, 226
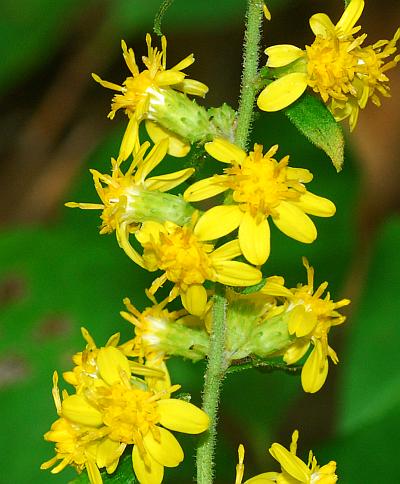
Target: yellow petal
265, 478
315, 370
168, 78
254, 239
293, 222
267, 13
158, 384
218, 221
315, 205
282, 92
296, 350
322, 25
186, 62
182, 416
130, 139
290, 463
166, 450
108, 451
206, 188
77, 409
228, 251
350, 17
194, 300
111, 362
153, 159
164, 183
281, 55
301, 322
152, 474
222, 150
93, 472
233, 273
122, 234
107, 84
177, 146
274, 286
195, 88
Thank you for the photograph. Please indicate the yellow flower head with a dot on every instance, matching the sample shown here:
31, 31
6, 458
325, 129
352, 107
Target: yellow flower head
188, 260
311, 317
261, 187
130, 198
78, 445
128, 412
142, 91
295, 471
336, 65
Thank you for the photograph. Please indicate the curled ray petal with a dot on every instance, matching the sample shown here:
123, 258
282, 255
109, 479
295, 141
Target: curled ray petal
233, 273
265, 478
186, 62
206, 188
93, 472
228, 251
151, 474
218, 221
111, 363
274, 286
289, 462
123, 241
293, 222
301, 322
315, 370
254, 239
283, 54
169, 78
282, 92
107, 84
194, 300
322, 25
77, 409
182, 416
296, 350
155, 156
166, 450
315, 205
129, 140
163, 183
193, 87
177, 146
350, 17
222, 150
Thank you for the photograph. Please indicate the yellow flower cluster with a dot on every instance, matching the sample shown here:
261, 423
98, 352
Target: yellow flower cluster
113, 408
293, 469
337, 66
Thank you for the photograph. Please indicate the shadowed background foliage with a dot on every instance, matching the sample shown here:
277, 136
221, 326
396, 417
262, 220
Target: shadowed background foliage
57, 273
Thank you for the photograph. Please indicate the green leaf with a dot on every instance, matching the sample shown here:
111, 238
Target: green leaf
314, 120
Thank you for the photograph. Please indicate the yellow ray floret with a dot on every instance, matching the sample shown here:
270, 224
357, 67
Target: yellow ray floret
142, 91
311, 317
293, 469
261, 188
188, 260
337, 66
130, 198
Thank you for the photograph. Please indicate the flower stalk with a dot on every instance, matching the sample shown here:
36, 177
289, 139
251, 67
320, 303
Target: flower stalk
217, 363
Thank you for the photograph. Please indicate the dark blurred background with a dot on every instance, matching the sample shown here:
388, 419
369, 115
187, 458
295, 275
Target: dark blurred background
57, 273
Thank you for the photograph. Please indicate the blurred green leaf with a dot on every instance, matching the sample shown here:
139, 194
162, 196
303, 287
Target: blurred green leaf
313, 119
371, 380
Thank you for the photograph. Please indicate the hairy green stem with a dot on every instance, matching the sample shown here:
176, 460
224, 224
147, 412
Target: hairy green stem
251, 52
217, 363
216, 368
